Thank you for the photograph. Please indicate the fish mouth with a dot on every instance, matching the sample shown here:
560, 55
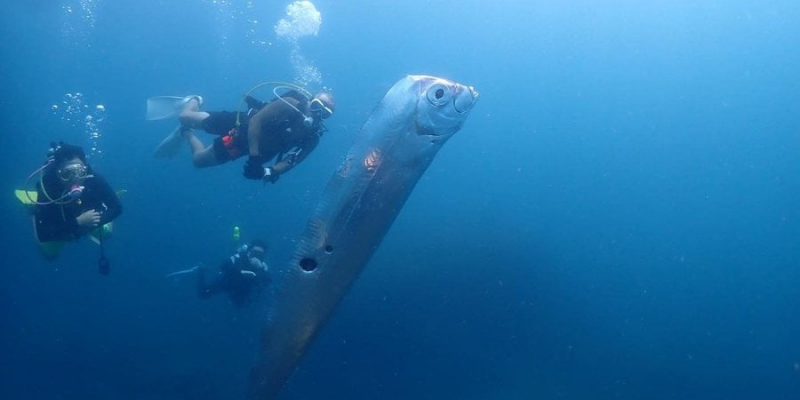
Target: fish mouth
426, 132
465, 99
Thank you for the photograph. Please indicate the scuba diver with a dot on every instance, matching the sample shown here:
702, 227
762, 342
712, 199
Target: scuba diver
70, 201
286, 129
240, 275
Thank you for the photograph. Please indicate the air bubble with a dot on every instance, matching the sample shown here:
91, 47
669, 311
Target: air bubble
303, 19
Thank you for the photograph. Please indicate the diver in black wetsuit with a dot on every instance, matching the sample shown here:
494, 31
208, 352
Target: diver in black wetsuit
72, 200
286, 130
239, 276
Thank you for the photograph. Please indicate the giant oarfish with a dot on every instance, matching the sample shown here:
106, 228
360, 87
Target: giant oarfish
391, 152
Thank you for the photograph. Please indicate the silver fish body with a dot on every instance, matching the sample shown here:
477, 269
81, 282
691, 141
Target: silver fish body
394, 148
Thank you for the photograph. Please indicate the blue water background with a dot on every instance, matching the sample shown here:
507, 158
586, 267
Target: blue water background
618, 218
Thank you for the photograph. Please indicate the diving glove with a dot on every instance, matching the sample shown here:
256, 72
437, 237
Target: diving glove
254, 169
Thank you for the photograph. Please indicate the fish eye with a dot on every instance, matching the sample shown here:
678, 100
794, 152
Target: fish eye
438, 94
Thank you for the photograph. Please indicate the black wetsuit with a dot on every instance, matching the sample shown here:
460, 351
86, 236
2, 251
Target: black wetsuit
289, 147
229, 279
57, 222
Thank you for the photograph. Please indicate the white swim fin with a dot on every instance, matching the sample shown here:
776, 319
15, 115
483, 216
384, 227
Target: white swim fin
171, 144
163, 107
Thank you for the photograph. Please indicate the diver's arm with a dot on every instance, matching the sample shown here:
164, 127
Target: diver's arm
109, 199
266, 121
254, 131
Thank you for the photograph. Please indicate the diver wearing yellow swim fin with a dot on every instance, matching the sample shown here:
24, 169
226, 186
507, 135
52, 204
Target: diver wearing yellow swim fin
70, 201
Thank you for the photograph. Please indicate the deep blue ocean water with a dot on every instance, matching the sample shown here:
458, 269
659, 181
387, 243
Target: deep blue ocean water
618, 219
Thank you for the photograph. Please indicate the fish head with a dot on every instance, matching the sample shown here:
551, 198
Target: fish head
442, 105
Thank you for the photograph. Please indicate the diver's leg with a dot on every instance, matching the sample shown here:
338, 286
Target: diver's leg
191, 116
202, 156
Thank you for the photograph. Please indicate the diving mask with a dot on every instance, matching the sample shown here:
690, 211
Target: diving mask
72, 172
318, 107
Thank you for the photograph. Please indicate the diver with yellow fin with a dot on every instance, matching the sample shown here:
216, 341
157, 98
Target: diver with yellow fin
70, 201
285, 129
